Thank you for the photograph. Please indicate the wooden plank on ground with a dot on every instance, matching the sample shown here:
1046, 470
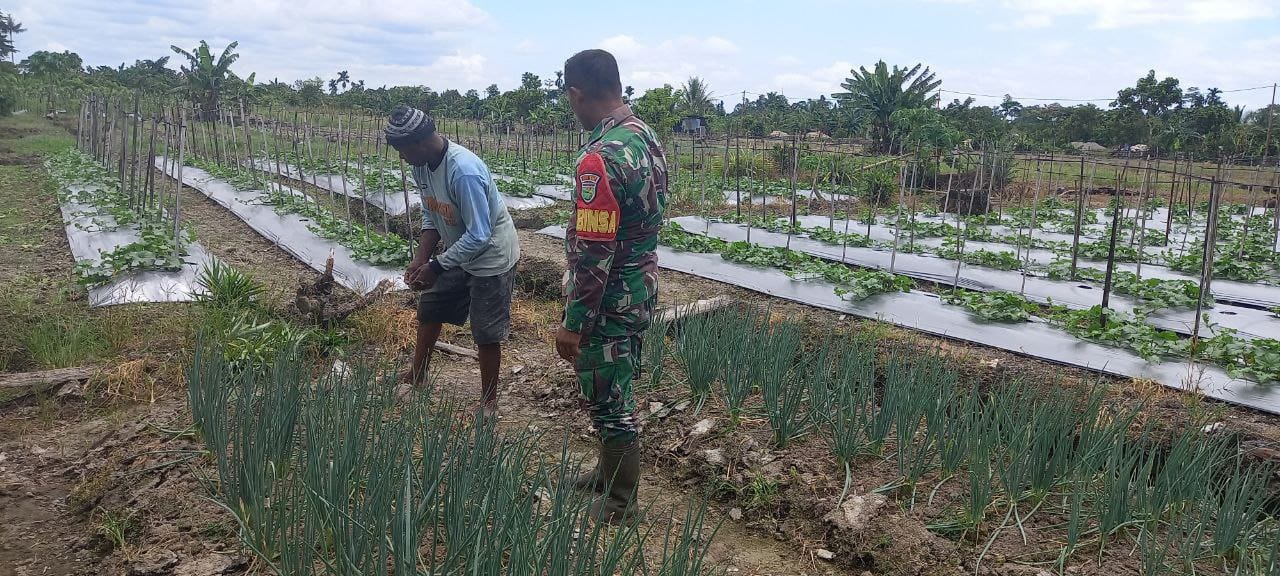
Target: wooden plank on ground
674, 313
44, 378
458, 350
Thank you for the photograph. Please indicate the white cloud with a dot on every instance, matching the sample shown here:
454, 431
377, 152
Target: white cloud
375, 40
527, 46
422, 15
621, 45
1034, 20
813, 83
1128, 13
651, 64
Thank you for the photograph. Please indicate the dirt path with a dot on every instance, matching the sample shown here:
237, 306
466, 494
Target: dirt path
234, 242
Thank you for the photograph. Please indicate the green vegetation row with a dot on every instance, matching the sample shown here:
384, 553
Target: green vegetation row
330, 476
83, 180
1256, 359
1087, 474
852, 283
1153, 293
365, 243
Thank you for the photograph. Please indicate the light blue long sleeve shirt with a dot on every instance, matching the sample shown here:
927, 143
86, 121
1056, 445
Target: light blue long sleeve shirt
461, 201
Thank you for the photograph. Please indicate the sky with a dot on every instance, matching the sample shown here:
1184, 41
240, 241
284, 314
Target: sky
1032, 49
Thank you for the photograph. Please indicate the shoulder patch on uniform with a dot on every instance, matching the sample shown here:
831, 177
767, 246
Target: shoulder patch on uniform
587, 184
596, 209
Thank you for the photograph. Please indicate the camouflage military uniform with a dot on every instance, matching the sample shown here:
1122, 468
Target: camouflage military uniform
620, 194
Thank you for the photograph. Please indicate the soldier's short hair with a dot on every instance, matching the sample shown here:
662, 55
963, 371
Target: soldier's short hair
594, 72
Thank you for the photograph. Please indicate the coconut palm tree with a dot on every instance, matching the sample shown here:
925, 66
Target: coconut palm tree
695, 99
880, 93
206, 77
8, 28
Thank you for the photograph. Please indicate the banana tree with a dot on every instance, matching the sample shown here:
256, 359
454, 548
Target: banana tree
206, 77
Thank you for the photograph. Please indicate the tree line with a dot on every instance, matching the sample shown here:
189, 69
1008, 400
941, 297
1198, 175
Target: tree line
892, 107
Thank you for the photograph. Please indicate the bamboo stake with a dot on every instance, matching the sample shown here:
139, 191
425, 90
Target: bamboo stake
380, 152
1031, 229
795, 171
1148, 192
1207, 255
408, 217
897, 217
149, 183
360, 182
177, 196
248, 146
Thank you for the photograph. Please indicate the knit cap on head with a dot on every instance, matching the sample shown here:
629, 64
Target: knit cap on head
408, 125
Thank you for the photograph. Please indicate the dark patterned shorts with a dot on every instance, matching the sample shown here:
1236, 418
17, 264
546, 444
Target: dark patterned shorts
457, 295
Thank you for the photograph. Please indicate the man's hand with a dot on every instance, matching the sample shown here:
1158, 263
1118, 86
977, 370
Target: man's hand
568, 344
424, 279
412, 271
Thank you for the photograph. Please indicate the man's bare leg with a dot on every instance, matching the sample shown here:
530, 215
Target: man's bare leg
490, 366
425, 341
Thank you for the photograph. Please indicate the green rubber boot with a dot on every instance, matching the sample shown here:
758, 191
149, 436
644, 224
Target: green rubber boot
619, 467
590, 481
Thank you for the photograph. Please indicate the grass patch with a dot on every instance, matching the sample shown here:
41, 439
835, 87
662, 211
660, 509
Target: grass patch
47, 325
46, 334
43, 144
29, 218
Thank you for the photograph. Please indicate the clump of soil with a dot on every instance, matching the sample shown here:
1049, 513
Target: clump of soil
539, 277
968, 202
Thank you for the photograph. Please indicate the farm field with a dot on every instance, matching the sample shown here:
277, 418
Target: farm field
895, 335
782, 437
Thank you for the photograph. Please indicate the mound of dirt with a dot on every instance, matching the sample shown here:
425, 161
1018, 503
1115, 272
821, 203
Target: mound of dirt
539, 277
967, 202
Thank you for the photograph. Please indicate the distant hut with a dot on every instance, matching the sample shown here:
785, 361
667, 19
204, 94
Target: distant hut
694, 125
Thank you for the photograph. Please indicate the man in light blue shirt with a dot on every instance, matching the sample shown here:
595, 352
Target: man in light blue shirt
472, 276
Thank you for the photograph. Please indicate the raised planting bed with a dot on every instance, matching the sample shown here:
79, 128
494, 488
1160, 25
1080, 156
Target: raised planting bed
126, 249
923, 311
300, 234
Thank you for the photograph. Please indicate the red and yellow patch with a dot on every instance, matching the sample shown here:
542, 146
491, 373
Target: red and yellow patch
596, 212
596, 222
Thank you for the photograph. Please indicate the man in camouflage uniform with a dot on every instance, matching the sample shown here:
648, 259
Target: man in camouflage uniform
620, 193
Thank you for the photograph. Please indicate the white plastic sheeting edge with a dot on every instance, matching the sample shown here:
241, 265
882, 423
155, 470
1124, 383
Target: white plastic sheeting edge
540, 198
1244, 293
391, 202
89, 240
1251, 322
921, 311
290, 232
